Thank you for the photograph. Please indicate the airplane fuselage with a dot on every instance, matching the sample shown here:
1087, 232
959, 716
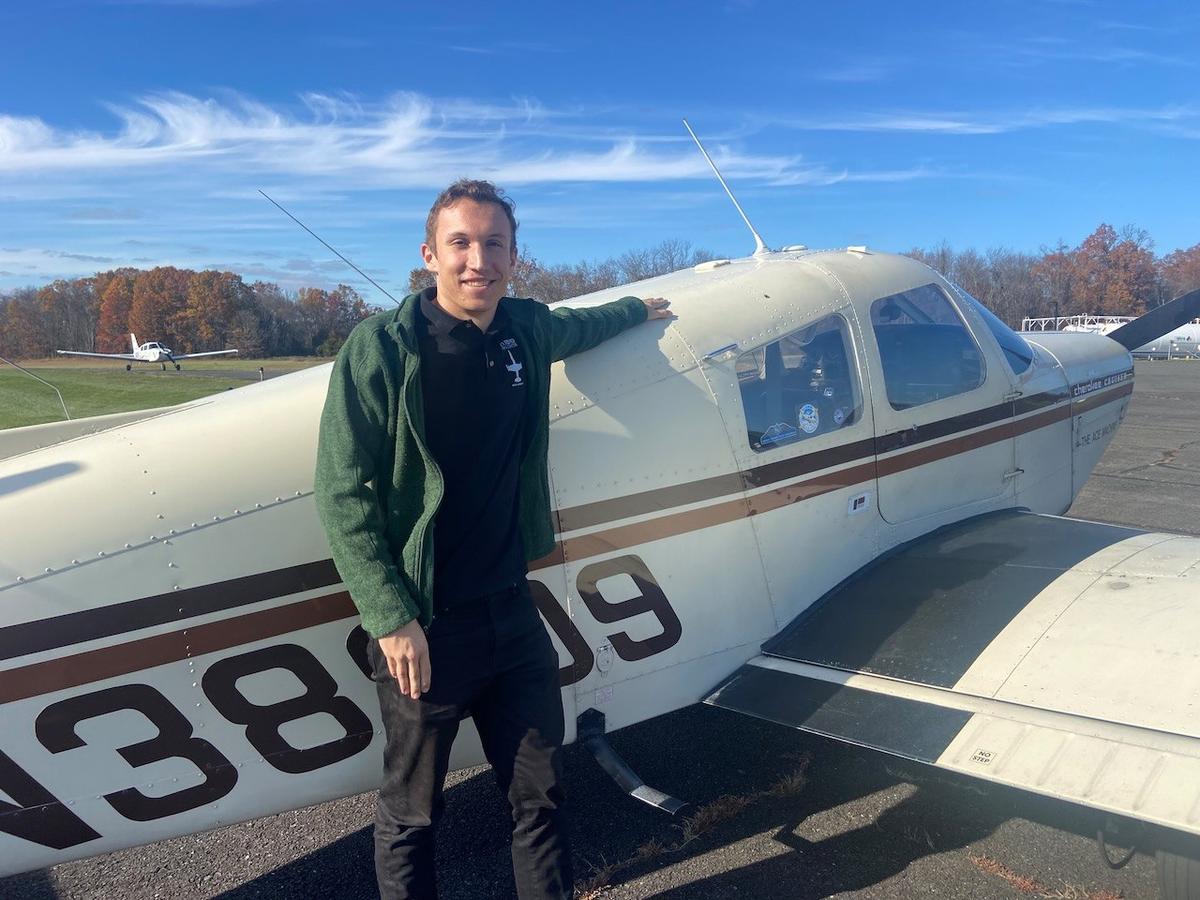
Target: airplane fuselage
179, 652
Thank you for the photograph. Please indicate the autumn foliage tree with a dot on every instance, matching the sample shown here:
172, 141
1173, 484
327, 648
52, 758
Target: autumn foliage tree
329, 315
1181, 270
1109, 272
70, 310
159, 304
112, 331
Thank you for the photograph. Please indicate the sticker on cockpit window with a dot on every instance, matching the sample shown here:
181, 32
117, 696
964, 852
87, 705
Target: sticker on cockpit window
780, 431
839, 416
828, 392
808, 419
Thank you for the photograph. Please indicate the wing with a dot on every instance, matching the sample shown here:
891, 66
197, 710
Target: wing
127, 356
1049, 654
206, 353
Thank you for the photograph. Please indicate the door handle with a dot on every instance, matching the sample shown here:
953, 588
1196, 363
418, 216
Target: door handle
907, 436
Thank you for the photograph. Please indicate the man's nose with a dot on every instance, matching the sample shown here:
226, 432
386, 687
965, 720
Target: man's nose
475, 256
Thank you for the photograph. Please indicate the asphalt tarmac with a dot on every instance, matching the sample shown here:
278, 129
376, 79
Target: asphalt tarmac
785, 814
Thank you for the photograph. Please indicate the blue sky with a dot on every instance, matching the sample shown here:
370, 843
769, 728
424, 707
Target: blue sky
138, 133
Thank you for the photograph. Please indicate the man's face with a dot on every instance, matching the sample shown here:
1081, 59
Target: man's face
473, 256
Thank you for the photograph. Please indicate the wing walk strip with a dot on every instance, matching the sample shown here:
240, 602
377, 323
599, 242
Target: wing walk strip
71, 628
1120, 768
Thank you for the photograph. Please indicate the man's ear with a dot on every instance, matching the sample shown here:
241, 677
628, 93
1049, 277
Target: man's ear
430, 258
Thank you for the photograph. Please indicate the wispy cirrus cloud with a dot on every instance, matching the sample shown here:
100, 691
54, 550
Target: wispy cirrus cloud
958, 122
405, 141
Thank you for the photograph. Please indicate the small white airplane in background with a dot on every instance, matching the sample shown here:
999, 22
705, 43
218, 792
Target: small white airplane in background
149, 352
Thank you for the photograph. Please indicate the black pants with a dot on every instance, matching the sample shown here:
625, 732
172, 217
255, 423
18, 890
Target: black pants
493, 660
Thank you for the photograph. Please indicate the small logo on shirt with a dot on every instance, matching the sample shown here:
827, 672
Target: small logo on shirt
508, 344
514, 366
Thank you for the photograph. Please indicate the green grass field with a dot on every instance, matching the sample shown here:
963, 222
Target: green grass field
94, 387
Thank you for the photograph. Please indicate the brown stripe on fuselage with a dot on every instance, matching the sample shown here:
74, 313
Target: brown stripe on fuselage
1092, 401
671, 525
122, 659
175, 606
587, 515
107, 662
933, 452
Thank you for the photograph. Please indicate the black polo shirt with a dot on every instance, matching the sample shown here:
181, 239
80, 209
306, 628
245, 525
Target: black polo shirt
474, 397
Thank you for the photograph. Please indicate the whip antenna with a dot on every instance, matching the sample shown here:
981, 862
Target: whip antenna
760, 248
43, 381
338, 255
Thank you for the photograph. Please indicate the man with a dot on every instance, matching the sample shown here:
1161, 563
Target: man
432, 486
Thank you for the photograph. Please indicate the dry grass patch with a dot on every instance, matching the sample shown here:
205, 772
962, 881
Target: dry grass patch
1031, 886
597, 882
720, 810
704, 819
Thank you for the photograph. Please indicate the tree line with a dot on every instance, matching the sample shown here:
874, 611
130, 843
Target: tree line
188, 311
1109, 273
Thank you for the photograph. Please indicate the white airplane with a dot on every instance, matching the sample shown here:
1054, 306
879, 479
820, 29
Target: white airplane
845, 517
149, 352
1182, 342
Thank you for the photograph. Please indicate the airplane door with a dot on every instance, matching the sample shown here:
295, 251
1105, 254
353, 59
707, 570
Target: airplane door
802, 435
943, 402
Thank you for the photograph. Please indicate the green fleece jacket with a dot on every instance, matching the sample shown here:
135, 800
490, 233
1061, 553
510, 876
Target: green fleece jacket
377, 487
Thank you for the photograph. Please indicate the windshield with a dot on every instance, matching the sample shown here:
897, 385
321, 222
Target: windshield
1016, 350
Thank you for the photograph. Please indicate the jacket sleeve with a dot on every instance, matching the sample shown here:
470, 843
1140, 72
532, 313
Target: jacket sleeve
575, 330
350, 449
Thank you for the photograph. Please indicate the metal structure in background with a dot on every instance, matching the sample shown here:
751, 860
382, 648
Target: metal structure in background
1098, 324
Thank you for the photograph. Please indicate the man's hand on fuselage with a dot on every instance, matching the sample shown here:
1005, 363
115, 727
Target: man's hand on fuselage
657, 308
407, 653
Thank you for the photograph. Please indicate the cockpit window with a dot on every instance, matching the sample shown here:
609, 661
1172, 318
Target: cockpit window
1018, 353
926, 350
800, 386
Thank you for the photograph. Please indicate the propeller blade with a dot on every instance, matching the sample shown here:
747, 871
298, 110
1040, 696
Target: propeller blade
1158, 322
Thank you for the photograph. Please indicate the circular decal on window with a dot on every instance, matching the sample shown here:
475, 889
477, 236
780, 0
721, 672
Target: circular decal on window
839, 416
809, 419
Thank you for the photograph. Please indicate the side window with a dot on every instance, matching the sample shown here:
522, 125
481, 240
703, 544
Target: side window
799, 386
926, 350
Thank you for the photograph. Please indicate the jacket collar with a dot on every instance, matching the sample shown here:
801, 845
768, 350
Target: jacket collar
403, 325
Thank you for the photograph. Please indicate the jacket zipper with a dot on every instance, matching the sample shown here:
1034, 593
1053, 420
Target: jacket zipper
431, 465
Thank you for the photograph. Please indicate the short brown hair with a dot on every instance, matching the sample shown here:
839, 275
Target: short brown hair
468, 189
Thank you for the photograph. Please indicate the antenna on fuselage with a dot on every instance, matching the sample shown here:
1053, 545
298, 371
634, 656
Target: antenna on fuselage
331, 249
760, 247
43, 381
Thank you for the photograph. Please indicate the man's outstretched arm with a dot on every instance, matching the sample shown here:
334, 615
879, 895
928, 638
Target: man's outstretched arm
576, 330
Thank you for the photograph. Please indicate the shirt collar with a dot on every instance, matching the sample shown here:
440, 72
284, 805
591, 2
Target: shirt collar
442, 323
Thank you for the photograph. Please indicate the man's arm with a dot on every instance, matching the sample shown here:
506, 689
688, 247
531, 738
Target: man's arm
349, 449
576, 330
